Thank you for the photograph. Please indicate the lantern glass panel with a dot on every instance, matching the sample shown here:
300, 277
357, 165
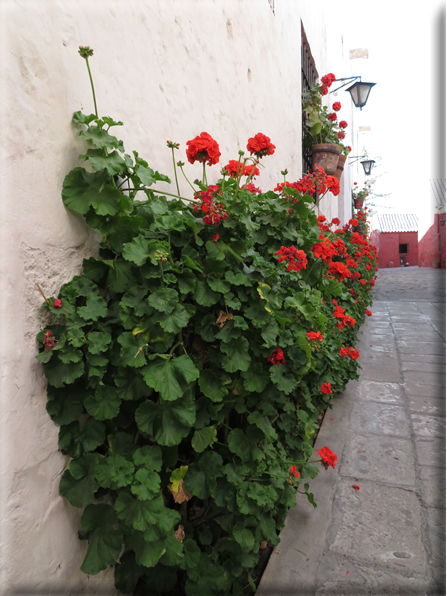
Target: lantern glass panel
360, 92
367, 166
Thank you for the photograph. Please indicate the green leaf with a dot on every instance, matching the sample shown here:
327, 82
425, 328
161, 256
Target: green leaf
100, 138
239, 444
146, 485
127, 573
309, 471
170, 377
82, 191
211, 385
187, 281
243, 537
95, 308
270, 333
256, 378
164, 300
105, 404
148, 456
284, 381
263, 423
176, 320
99, 342
65, 406
115, 472
237, 356
136, 251
262, 494
204, 438
113, 162
204, 295
132, 353
80, 118
214, 251
60, 374
74, 442
104, 542
130, 385
78, 484
167, 422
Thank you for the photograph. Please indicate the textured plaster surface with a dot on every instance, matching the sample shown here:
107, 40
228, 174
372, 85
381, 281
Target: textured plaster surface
168, 70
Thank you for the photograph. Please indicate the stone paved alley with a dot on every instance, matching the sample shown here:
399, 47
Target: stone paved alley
388, 430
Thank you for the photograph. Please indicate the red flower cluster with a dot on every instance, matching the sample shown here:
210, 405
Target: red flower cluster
203, 149
339, 270
48, 342
252, 188
294, 472
343, 124
326, 388
332, 117
317, 180
339, 313
328, 79
336, 106
315, 336
215, 238
260, 145
353, 222
215, 212
296, 259
57, 303
277, 357
321, 218
349, 352
341, 135
232, 169
368, 313
329, 458
324, 249
335, 222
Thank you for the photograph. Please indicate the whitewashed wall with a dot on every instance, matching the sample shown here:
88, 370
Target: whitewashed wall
169, 70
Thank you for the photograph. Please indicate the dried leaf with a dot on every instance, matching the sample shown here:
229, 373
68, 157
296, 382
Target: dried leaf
182, 494
180, 533
224, 317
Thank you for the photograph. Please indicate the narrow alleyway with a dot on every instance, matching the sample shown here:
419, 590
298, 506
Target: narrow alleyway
388, 430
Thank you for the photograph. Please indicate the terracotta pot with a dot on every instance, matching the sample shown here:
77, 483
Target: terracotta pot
358, 203
326, 156
340, 166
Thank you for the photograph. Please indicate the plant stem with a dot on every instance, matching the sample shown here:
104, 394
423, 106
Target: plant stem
93, 87
181, 167
175, 171
162, 192
204, 175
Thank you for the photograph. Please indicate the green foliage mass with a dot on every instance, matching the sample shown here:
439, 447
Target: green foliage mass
159, 374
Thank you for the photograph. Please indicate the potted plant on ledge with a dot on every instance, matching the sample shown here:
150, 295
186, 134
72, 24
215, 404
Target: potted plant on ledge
323, 133
359, 196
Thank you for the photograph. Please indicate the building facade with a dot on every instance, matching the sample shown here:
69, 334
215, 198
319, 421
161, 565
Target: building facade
432, 244
396, 238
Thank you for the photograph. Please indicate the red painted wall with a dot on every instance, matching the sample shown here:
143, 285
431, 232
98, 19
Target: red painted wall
432, 245
387, 244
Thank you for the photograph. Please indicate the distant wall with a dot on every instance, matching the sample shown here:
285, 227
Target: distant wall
432, 244
387, 244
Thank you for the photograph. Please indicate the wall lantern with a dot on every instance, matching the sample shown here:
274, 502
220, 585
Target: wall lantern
366, 163
359, 91
442, 222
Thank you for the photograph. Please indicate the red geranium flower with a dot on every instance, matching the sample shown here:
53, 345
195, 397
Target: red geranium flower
332, 117
215, 238
260, 145
328, 79
232, 169
336, 106
368, 312
341, 135
297, 259
343, 124
277, 357
294, 472
203, 149
335, 222
326, 388
252, 188
353, 222
329, 458
315, 336
57, 303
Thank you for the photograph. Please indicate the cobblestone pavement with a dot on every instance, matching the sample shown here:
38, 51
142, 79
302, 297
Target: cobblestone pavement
388, 430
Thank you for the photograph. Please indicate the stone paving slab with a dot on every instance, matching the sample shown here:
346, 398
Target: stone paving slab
389, 434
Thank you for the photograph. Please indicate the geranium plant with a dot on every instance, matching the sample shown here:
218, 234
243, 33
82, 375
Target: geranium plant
321, 124
188, 364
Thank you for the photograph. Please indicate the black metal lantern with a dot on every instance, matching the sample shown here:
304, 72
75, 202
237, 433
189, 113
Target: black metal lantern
368, 166
360, 92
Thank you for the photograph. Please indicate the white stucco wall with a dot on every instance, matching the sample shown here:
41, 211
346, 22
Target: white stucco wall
169, 70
